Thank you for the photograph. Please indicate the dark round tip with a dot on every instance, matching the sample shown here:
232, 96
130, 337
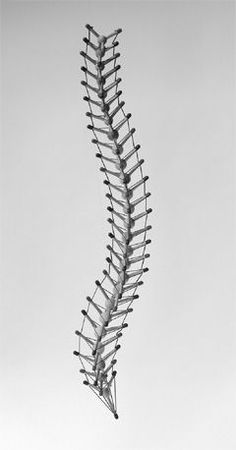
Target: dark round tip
117, 347
90, 127
111, 235
85, 382
77, 333
83, 68
98, 155
146, 269
97, 283
82, 371
148, 241
109, 208
83, 83
102, 169
149, 210
94, 141
108, 260
136, 296
76, 353
84, 312
116, 416
106, 182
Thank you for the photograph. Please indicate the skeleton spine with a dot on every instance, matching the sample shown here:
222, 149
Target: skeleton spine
107, 309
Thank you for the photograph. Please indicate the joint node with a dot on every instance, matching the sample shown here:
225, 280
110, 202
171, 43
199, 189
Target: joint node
112, 134
102, 39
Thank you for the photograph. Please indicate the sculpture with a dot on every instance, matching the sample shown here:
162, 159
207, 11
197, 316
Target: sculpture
104, 318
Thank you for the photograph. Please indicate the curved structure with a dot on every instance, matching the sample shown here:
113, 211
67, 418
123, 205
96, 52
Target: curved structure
104, 318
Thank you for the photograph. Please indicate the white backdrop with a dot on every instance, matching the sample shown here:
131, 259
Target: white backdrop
176, 367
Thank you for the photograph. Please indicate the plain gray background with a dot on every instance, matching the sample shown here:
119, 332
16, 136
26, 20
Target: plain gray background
176, 367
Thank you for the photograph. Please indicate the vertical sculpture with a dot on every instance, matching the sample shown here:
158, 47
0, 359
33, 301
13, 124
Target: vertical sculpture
104, 318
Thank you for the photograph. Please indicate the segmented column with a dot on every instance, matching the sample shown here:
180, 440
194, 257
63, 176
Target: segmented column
104, 318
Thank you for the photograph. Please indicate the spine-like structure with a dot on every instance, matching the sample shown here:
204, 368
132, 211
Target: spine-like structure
104, 318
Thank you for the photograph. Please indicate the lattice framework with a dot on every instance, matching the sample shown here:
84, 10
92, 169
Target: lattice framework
104, 318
